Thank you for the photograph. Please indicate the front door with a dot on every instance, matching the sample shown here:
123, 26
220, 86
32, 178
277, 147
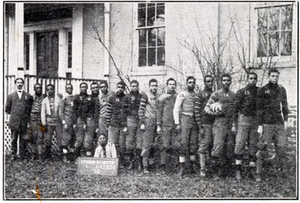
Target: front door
47, 54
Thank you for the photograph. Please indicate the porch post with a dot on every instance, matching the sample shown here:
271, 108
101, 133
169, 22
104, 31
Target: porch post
63, 53
77, 41
106, 40
20, 39
32, 54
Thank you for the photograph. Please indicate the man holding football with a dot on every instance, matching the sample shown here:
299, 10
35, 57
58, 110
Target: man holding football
220, 104
206, 138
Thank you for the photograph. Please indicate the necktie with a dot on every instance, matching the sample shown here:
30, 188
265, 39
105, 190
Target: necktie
104, 151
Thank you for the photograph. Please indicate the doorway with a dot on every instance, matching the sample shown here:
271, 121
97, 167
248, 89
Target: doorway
47, 54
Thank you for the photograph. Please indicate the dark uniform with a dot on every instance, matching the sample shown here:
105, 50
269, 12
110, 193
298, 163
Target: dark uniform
80, 103
92, 117
205, 141
35, 124
116, 122
272, 109
223, 143
68, 118
245, 116
134, 137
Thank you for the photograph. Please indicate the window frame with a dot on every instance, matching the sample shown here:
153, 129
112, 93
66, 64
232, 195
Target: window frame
280, 61
148, 29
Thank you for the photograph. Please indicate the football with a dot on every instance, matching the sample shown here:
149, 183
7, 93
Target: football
216, 107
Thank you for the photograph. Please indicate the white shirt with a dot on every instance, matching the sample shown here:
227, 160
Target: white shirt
20, 93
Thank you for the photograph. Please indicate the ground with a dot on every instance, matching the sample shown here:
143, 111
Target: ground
59, 180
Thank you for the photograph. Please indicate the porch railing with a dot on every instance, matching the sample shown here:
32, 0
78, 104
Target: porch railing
30, 80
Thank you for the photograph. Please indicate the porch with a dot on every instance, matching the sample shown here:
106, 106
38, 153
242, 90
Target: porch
30, 80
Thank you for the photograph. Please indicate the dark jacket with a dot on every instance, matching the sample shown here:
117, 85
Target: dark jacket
205, 117
131, 104
68, 113
245, 102
272, 102
19, 110
115, 115
80, 103
90, 109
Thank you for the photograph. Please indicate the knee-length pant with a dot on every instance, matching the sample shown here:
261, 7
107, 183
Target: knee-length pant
188, 136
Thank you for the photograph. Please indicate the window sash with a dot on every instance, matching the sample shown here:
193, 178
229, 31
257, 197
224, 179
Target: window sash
275, 31
151, 43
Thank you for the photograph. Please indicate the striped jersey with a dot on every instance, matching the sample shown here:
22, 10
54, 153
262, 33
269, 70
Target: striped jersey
148, 106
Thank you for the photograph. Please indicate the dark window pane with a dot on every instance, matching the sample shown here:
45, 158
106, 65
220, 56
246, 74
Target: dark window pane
151, 5
41, 52
68, 75
161, 56
151, 16
26, 51
286, 40
160, 10
69, 49
36, 15
142, 57
160, 36
274, 44
54, 51
142, 5
151, 57
142, 38
286, 18
262, 45
152, 37
262, 20
160, 4
274, 19
142, 17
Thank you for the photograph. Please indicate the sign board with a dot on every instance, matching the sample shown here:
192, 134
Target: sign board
98, 166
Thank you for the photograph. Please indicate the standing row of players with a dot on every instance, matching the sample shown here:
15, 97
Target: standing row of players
192, 123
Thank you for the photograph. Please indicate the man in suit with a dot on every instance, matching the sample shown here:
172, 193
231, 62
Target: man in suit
18, 106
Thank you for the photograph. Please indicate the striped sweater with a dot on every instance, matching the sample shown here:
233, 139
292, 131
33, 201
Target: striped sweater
148, 107
226, 98
165, 108
186, 105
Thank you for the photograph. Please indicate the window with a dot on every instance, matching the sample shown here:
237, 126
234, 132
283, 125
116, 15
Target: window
26, 50
69, 49
151, 32
275, 31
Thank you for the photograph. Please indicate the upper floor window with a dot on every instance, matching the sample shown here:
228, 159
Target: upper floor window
151, 28
275, 31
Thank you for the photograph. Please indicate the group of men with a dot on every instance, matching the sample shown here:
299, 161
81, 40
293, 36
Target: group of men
205, 128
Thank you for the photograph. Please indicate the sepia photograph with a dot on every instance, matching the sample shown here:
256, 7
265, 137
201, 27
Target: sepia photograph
150, 100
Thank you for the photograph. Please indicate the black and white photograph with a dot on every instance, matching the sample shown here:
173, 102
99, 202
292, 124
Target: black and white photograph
150, 100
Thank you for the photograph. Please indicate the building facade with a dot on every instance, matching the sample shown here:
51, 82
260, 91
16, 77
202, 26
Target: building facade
103, 41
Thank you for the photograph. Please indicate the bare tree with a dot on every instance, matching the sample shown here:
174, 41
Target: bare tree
123, 77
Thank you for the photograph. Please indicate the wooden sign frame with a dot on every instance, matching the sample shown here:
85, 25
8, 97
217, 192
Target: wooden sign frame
98, 166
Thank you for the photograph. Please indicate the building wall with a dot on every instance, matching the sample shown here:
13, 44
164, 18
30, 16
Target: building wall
201, 24
93, 51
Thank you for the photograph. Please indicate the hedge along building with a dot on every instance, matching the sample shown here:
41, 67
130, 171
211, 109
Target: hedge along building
71, 42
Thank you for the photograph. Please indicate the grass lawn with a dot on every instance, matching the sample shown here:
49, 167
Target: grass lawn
59, 180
